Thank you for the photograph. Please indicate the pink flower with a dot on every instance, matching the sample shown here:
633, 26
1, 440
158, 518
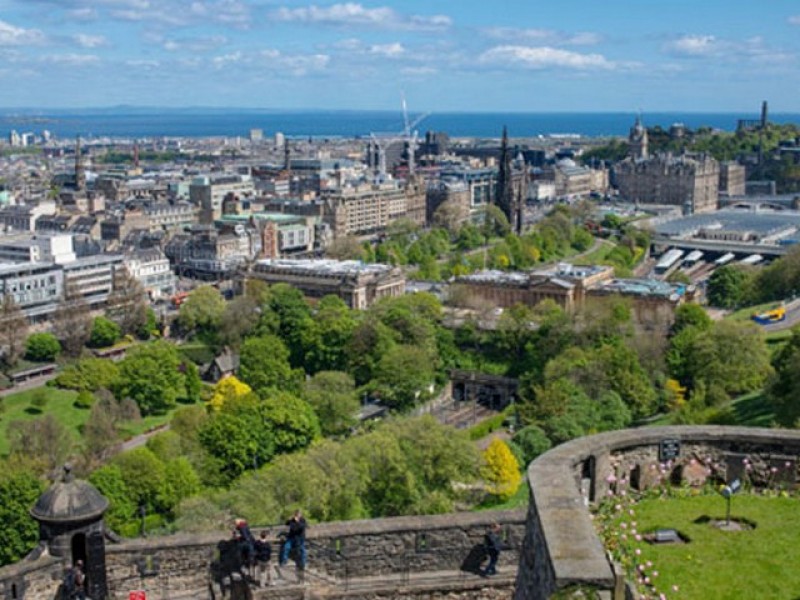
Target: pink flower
638, 552
662, 597
638, 539
788, 465
774, 470
623, 525
655, 573
745, 461
622, 493
618, 507
674, 588
647, 580
623, 537
641, 567
649, 563
631, 513
611, 478
693, 462
633, 523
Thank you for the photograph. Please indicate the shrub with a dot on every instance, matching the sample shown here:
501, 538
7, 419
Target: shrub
104, 333
42, 347
85, 399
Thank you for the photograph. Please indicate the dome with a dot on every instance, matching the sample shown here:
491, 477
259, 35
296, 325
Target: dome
69, 500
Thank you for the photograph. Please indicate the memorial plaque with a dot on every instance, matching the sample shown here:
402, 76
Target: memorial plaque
669, 449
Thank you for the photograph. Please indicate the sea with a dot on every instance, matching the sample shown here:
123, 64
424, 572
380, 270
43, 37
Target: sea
151, 123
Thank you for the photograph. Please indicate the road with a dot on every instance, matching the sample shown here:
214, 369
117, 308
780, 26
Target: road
792, 318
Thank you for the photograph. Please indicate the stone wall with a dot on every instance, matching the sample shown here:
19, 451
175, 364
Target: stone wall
180, 565
561, 547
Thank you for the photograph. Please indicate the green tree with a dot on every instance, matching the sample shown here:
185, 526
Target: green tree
691, 315
264, 364
404, 376
239, 440
731, 355
294, 320
144, 476
293, 423
202, 311
332, 395
533, 441
19, 491
784, 390
90, 374
192, 382
151, 376
121, 501
371, 340
180, 482
728, 286
327, 339
383, 473
42, 347
105, 332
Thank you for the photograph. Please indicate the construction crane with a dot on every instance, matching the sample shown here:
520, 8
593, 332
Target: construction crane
381, 141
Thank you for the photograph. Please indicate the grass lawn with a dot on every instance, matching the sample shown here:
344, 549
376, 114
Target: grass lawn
754, 564
753, 410
60, 404
17, 407
596, 256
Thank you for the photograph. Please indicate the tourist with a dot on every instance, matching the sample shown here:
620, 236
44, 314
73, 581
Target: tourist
77, 582
295, 540
247, 545
263, 552
494, 544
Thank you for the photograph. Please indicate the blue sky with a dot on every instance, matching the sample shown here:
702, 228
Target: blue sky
501, 55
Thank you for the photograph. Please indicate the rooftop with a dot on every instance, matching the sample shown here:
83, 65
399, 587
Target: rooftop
761, 222
323, 266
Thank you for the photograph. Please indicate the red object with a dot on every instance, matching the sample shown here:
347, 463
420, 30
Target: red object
137, 596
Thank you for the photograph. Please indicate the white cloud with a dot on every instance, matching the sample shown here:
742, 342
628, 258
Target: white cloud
352, 14
388, 50
18, 36
297, 65
71, 60
192, 44
710, 47
89, 41
543, 57
544, 36
695, 46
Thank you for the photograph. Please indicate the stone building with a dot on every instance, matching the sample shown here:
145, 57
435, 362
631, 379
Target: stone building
208, 193
512, 186
653, 302
732, 177
453, 198
358, 284
366, 209
691, 182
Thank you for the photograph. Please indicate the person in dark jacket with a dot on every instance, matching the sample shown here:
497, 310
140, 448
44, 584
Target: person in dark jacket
263, 552
295, 540
247, 542
494, 545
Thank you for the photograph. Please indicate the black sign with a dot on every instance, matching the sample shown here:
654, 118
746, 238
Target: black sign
669, 450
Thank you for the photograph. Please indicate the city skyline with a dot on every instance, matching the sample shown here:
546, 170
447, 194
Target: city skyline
516, 56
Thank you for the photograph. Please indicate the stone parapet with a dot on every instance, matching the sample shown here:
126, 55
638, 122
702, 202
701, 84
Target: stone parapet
561, 547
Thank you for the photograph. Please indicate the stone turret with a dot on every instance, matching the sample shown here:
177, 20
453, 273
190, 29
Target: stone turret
637, 141
70, 516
